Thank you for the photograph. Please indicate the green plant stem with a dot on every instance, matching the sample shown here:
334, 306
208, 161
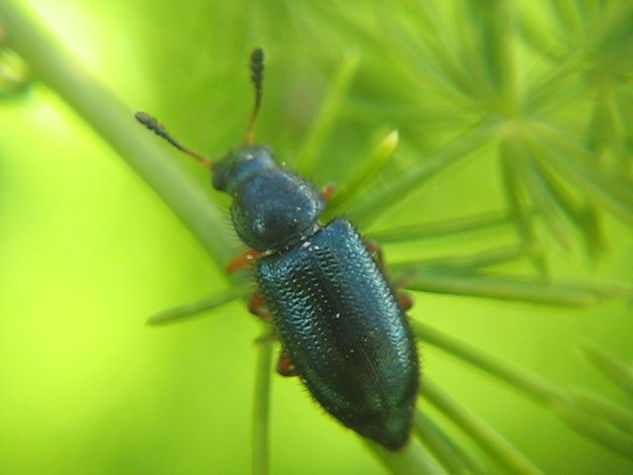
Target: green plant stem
486, 437
458, 148
261, 408
197, 308
411, 460
114, 122
453, 457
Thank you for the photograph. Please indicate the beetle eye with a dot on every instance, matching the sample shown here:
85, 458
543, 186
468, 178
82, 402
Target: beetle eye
218, 178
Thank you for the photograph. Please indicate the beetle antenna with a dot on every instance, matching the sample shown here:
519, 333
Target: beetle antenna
257, 77
159, 129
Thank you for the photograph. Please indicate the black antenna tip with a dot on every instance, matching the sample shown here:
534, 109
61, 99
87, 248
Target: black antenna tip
257, 76
257, 67
152, 124
144, 118
257, 56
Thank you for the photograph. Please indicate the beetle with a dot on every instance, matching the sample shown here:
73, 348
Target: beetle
340, 323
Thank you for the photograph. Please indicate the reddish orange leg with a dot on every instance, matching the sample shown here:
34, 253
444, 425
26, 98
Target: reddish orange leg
405, 300
257, 306
244, 259
285, 366
328, 192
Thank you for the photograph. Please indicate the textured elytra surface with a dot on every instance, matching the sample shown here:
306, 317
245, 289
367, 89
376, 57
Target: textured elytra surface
340, 322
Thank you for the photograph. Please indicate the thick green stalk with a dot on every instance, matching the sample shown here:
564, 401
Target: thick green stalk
114, 122
261, 409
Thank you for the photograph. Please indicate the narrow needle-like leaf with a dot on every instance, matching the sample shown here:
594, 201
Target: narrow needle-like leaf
596, 429
512, 156
331, 105
542, 391
485, 436
545, 202
521, 379
460, 147
583, 215
453, 457
499, 287
261, 407
195, 309
612, 366
467, 263
375, 161
412, 460
597, 404
480, 222
607, 190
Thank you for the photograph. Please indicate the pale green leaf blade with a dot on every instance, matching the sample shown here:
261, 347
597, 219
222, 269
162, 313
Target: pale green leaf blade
261, 406
412, 459
613, 367
485, 436
451, 455
197, 308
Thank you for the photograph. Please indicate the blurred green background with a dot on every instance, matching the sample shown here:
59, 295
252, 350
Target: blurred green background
88, 251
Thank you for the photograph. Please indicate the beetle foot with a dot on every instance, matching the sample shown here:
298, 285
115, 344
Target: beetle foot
257, 306
405, 300
328, 192
285, 366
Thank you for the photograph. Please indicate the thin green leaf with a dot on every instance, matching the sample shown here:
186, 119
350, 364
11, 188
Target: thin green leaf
437, 58
568, 14
603, 130
374, 162
604, 189
501, 287
512, 156
332, 102
443, 228
583, 215
527, 382
467, 263
534, 386
460, 147
195, 309
453, 457
261, 406
536, 33
411, 460
596, 429
594, 403
617, 370
496, 20
546, 203
486, 437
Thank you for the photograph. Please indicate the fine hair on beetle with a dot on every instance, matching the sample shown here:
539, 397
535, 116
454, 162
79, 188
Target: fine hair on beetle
341, 325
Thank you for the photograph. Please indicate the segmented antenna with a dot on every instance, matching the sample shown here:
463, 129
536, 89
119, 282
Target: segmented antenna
257, 77
159, 129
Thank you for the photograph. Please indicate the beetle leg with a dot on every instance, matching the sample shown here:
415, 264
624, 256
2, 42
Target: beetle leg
257, 306
405, 300
285, 366
244, 259
328, 192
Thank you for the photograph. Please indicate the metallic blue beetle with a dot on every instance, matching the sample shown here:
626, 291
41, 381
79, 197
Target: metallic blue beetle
337, 317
